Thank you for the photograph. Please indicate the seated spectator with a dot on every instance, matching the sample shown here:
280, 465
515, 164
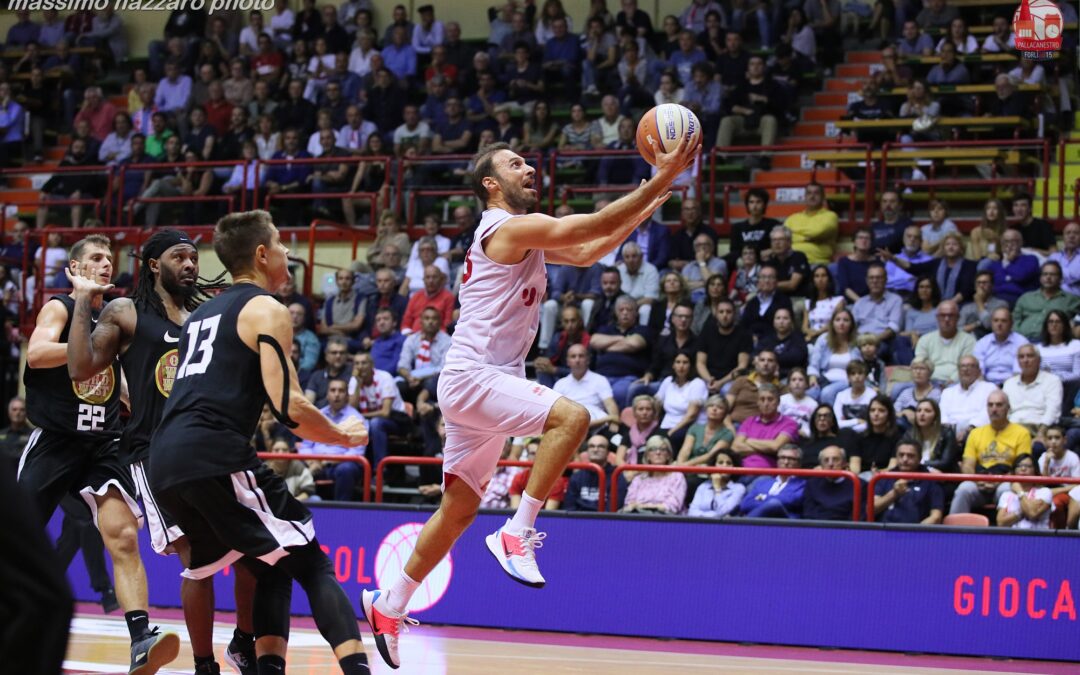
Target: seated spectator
640, 279
742, 283
851, 269
288, 178
901, 500
386, 296
386, 341
851, 404
685, 242
372, 391
921, 317
344, 474
788, 344
868, 345
719, 496
888, 233
822, 303
200, 136
760, 437
664, 349
990, 449
705, 439
682, 396
986, 236
758, 313
1006, 101
723, 348
1028, 72
654, 243
936, 14
871, 107
1016, 272
940, 449
622, 349
248, 174
933, 233
98, 112
914, 42
1058, 350
997, 351
1058, 462
1025, 506
662, 492
577, 134
562, 57
945, 346
159, 132
295, 473
296, 112
622, 170
753, 108
583, 489
1035, 395
922, 389
589, 389
1032, 307
963, 405
742, 397
1038, 233
422, 354
1001, 38
238, 87
949, 70
76, 185
173, 93
309, 344
568, 286
631, 438
975, 315
600, 57
454, 134
433, 295
830, 356
342, 313
634, 70
553, 366
829, 498
779, 496
814, 230
757, 231
959, 37
117, 145
427, 256
879, 311
541, 133
704, 95
873, 449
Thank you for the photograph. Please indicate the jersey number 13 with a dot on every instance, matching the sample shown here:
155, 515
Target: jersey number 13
200, 347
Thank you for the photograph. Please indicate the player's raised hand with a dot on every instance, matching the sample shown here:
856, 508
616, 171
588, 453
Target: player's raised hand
671, 164
83, 281
355, 431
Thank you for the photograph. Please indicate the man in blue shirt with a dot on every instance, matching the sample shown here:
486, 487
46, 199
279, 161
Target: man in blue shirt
689, 54
903, 501
889, 231
23, 31
777, 496
583, 490
344, 474
622, 349
563, 57
12, 119
399, 56
829, 498
289, 178
174, 91
879, 312
386, 348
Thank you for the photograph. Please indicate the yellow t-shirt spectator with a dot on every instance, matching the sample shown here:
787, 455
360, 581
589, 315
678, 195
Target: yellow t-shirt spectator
988, 446
814, 235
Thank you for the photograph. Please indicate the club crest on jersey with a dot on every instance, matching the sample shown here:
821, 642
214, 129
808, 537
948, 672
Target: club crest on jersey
165, 371
98, 389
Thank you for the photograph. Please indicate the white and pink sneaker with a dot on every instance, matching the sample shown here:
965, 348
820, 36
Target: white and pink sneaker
385, 626
517, 554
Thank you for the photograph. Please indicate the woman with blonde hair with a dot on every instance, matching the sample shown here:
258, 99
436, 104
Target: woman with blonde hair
986, 236
657, 491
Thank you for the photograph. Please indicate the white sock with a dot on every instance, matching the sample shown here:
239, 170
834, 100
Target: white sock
526, 514
397, 598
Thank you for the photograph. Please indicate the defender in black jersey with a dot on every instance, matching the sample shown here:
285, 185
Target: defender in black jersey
204, 470
144, 333
74, 450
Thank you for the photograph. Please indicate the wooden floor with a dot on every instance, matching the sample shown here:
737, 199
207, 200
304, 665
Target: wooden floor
99, 644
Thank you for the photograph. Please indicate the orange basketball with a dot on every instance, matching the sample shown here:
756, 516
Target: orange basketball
667, 124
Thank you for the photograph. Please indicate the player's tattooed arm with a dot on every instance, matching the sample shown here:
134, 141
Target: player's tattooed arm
89, 353
265, 326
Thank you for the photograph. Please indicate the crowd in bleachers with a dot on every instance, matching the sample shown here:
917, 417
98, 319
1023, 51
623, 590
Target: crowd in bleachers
920, 348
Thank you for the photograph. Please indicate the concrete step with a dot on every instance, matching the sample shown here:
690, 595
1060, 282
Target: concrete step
837, 84
823, 113
815, 130
831, 98
863, 57
861, 70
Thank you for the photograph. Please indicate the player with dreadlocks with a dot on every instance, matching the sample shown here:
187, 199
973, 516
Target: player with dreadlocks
144, 333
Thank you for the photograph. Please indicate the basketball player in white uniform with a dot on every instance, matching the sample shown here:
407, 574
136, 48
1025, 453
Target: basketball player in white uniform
483, 392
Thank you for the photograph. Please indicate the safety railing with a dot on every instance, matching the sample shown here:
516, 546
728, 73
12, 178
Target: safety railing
461, 160
992, 183
432, 461
718, 154
849, 187
351, 233
417, 193
856, 486
257, 196
956, 478
167, 169
31, 171
365, 465
229, 200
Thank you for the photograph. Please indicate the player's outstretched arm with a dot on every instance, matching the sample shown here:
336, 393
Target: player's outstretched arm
265, 326
583, 239
45, 349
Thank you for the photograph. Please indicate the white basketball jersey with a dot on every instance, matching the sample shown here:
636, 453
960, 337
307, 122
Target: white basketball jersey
500, 306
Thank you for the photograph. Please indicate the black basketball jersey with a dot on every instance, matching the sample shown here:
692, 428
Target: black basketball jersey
150, 364
216, 399
55, 403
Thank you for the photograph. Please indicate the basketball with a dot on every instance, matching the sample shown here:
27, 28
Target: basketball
667, 124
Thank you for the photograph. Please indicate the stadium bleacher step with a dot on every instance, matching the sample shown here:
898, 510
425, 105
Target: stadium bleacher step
853, 70
776, 209
836, 84
863, 57
823, 113
812, 130
830, 98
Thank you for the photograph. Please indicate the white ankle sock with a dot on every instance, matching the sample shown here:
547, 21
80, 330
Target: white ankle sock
397, 598
526, 514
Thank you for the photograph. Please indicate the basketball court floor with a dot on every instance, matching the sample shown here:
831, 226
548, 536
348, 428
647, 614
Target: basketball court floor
99, 644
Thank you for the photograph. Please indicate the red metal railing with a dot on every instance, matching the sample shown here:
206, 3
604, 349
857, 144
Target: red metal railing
957, 478
151, 167
230, 200
355, 159
739, 471
40, 170
536, 159
850, 188
414, 194
992, 183
431, 461
365, 465
352, 233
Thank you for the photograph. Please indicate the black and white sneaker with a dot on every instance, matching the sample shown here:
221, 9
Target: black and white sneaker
241, 656
153, 651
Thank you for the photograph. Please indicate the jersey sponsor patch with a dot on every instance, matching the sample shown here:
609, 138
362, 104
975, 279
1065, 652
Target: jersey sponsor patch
98, 389
165, 371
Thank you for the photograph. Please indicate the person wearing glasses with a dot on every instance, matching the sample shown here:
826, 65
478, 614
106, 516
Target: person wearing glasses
660, 492
778, 496
583, 491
